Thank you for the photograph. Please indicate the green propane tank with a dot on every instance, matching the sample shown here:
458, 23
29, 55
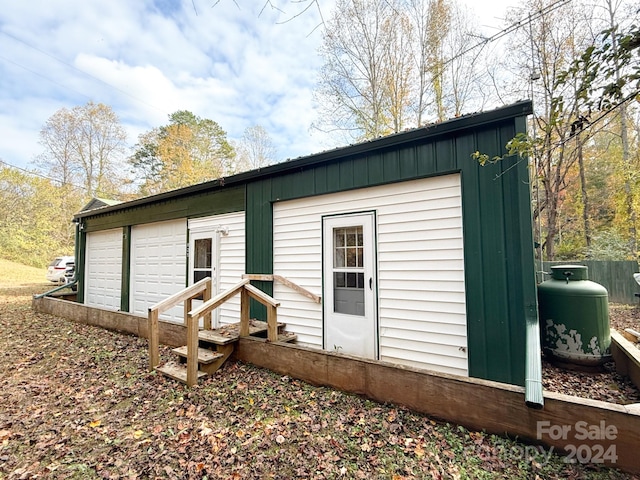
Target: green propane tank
574, 317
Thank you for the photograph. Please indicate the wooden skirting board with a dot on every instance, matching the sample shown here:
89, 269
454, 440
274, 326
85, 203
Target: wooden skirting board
627, 358
477, 404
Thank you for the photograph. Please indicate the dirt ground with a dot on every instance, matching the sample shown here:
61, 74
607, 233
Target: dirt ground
77, 402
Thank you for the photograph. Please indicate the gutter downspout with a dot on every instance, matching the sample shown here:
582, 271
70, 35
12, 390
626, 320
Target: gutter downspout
533, 396
54, 290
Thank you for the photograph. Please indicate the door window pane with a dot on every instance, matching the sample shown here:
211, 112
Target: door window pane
348, 245
199, 275
202, 259
348, 276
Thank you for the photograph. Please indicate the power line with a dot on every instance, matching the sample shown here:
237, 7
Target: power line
40, 175
116, 196
43, 76
510, 29
526, 22
43, 52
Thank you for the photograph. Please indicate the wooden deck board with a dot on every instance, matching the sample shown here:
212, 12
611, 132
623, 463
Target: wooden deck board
204, 355
231, 333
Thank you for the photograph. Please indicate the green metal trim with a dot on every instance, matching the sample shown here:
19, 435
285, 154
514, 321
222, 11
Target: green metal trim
498, 246
125, 284
81, 243
422, 134
205, 203
56, 289
534, 396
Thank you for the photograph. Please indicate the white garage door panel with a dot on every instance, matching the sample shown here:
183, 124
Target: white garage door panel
103, 269
158, 266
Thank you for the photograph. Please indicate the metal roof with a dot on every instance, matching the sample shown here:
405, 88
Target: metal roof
473, 120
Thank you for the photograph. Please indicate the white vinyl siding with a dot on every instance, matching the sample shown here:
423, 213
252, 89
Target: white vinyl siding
232, 256
421, 291
103, 269
158, 266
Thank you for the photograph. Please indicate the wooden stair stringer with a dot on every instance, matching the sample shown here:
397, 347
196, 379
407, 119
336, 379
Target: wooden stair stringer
221, 344
225, 352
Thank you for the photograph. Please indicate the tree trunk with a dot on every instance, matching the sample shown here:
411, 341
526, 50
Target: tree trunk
585, 198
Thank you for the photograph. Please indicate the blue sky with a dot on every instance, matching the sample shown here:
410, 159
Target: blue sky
147, 59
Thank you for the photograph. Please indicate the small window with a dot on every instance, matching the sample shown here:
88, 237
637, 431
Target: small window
348, 270
202, 256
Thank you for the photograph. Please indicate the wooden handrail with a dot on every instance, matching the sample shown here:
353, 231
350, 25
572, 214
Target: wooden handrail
192, 317
285, 281
298, 288
181, 296
246, 290
185, 295
261, 297
218, 300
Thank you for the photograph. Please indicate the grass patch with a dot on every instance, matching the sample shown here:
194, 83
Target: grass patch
17, 274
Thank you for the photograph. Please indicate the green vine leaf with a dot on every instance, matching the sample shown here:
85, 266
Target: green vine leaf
521, 145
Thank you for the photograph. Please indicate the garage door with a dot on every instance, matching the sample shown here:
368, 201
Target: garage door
158, 265
103, 271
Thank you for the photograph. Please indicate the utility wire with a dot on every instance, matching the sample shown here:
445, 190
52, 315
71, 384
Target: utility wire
123, 92
510, 29
37, 174
55, 180
43, 76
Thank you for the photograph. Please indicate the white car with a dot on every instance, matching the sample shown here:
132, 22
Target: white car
56, 269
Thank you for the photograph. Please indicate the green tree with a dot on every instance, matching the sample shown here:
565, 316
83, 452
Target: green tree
607, 75
188, 150
35, 218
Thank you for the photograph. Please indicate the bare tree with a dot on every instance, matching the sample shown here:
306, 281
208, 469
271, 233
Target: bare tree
541, 52
256, 149
351, 89
464, 60
628, 165
437, 31
392, 64
85, 145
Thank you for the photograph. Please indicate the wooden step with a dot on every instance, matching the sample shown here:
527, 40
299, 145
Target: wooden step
212, 336
177, 371
284, 337
231, 333
287, 337
204, 356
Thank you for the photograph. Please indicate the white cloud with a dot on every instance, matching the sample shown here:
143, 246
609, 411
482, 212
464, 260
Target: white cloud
149, 59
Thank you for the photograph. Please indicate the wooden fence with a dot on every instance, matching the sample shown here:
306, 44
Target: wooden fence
615, 276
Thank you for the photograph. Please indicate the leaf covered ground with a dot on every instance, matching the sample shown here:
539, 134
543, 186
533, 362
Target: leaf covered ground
77, 402
606, 385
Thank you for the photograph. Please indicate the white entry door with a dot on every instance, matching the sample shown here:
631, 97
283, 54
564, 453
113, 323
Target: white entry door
349, 284
204, 262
